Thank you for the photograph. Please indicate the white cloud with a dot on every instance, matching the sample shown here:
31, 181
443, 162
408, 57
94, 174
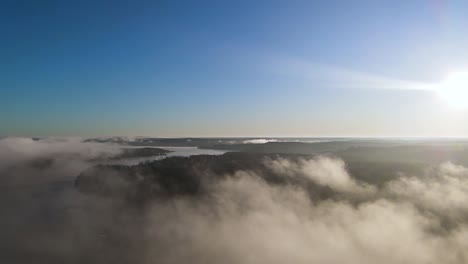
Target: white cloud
323, 171
338, 77
259, 141
443, 190
244, 218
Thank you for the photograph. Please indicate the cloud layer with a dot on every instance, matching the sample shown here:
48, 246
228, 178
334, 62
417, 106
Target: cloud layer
267, 212
248, 220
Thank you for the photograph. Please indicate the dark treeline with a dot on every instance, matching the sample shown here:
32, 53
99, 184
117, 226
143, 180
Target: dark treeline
175, 176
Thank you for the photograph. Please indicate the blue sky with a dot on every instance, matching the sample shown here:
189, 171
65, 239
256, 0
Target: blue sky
231, 68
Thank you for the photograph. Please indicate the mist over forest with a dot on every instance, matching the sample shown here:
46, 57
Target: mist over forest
263, 201
233, 132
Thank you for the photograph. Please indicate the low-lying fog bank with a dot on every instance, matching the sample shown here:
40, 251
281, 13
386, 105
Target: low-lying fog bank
231, 208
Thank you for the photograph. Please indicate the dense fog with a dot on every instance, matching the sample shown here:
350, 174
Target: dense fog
232, 208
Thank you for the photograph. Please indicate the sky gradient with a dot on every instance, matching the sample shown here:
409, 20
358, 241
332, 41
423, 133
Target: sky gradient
231, 68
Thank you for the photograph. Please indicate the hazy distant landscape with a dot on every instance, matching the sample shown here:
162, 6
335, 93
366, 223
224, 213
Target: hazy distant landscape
233, 132
269, 201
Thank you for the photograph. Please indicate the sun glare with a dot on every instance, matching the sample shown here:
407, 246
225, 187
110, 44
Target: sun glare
455, 89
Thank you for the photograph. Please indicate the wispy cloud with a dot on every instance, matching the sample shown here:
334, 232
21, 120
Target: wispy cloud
339, 77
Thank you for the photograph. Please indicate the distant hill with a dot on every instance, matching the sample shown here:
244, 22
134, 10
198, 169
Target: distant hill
366, 150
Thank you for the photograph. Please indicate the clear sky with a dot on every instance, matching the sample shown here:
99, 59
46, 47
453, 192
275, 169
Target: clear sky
234, 68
